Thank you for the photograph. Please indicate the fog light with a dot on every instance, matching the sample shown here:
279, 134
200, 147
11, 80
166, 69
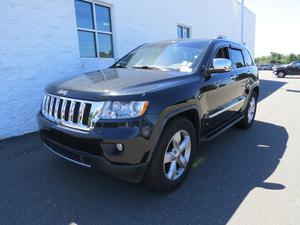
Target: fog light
119, 147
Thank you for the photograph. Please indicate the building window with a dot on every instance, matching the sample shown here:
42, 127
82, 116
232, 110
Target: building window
183, 31
94, 30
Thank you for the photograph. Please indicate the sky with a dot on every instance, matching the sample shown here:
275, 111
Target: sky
277, 26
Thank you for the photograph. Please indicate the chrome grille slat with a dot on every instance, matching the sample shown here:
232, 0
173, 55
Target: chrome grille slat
80, 113
71, 111
95, 111
44, 104
64, 111
51, 106
47, 105
56, 109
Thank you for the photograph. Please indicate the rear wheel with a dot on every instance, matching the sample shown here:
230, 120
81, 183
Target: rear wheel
173, 156
281, 74
249, 113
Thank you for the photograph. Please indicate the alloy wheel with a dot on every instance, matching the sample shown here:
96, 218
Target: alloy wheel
177, 155
281, 74
251, 109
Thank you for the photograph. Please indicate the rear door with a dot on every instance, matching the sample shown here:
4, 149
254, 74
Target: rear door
241, 75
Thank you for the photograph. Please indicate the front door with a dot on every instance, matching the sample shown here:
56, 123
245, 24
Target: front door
221, 95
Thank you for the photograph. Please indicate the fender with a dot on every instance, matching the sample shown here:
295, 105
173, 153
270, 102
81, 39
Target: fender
167, 115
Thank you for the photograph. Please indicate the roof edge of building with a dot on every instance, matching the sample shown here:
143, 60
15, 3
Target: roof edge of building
250, 11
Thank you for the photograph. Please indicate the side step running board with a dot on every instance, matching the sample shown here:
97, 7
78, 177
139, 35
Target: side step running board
219, 131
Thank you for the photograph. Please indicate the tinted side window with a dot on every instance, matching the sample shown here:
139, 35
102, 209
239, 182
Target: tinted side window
297, 65
248, 58
236, 58
222, 53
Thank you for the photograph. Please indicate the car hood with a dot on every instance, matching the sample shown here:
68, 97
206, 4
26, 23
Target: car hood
116, 82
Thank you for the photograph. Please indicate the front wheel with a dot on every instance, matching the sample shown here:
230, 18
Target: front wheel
173, 156
281, 74
249, 113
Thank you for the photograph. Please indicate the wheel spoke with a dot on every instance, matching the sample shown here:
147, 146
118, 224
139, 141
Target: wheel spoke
172, 171
251, 110
186, 143
252, 103
182, 161
176, 140
169, 157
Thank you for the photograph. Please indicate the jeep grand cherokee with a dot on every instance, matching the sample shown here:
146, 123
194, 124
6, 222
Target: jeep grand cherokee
142, 118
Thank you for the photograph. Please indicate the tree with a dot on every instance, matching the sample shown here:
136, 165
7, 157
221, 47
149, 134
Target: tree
292, 57
275, 57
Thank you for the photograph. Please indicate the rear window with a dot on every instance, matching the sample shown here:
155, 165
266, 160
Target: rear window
237, 58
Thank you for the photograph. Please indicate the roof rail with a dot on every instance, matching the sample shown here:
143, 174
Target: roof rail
221, 37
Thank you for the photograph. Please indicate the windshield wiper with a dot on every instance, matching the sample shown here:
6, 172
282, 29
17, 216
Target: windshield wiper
149, 67
120, 66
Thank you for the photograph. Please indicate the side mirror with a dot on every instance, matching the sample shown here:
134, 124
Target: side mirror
220, 65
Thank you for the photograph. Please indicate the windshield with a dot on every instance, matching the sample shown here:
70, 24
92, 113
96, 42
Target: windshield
176, 56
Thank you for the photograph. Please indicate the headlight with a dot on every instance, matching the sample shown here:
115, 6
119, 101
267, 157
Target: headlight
120, 110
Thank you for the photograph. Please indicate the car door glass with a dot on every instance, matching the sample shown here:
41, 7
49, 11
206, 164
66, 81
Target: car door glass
297, 65
222, 53
237, 58
248, 58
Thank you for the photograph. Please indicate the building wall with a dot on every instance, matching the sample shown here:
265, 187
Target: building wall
39, 43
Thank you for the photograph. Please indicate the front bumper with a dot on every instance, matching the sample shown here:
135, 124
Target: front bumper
88, 148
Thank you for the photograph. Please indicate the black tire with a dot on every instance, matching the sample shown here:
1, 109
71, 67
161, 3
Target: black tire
281, 74
246, 122
155, 176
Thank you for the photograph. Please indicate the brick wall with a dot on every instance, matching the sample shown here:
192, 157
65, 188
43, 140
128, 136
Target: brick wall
38, 43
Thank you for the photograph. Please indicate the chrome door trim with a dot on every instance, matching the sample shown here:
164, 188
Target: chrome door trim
226, 108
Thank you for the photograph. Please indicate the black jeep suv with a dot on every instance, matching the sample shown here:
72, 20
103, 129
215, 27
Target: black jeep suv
142, 118
289, 69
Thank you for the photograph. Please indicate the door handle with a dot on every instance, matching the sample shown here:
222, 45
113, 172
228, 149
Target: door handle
233, 77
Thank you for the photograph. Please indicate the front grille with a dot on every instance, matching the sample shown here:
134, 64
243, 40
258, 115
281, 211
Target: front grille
73, 113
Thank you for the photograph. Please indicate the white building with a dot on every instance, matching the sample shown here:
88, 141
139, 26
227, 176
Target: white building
42, 41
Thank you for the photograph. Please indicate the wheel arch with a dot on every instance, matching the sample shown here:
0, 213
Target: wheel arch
256, 89
191, 112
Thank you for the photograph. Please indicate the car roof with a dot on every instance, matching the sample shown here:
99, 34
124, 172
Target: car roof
211, 40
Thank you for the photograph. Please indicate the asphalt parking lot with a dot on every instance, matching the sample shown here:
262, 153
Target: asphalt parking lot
241, 177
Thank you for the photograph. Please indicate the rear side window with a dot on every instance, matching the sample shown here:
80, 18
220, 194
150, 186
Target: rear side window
248, 58
237, 58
